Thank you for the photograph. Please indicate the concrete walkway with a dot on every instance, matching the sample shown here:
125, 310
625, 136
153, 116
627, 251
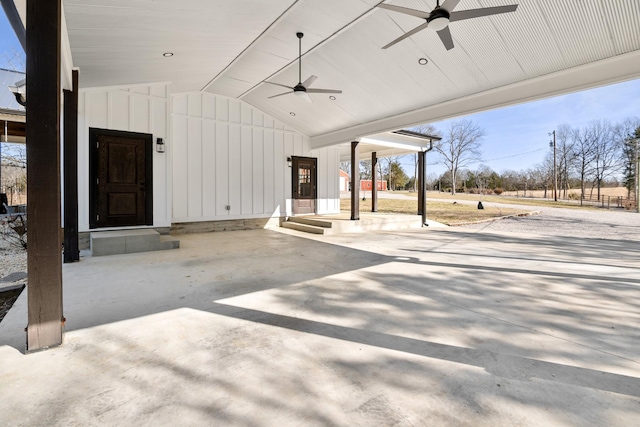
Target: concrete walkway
407, 328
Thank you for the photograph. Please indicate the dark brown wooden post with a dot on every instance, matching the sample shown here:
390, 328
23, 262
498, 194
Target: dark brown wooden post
422, 187
420, 180
71, 251
44, 253
355, 182
374, 182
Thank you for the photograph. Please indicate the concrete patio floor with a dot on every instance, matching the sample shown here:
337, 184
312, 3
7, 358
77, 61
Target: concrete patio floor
407, 328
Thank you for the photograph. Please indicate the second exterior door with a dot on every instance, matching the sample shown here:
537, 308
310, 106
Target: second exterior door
303, 179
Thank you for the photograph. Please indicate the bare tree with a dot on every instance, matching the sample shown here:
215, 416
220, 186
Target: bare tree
606, 153
365, 169
460, 147
345, 167
584, 149
566, 156
13, 60
426, 129
13, 176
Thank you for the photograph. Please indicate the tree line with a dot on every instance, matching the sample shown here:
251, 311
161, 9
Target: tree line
591, 157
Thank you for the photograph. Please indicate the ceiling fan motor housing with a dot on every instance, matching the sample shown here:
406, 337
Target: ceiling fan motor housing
439, 18
438, 12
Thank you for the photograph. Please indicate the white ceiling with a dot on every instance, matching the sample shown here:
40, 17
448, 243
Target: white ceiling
228, 47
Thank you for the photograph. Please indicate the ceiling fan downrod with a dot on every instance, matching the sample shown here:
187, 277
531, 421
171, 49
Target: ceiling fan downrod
300, 35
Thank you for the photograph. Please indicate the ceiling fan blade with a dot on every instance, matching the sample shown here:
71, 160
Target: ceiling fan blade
278, 84
445, 36
280, 94
485, 11
449, 5
405, 10
323, 91
309, 81
306, 97
409, 34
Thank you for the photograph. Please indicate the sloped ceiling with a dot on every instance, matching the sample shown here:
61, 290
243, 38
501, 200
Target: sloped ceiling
231, 47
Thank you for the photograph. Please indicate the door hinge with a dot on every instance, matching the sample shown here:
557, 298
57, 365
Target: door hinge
97, 217
97, 180
97, 144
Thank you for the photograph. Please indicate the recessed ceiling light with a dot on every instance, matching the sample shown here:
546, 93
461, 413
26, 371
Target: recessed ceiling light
167, 54
292, 113
422, 61
331, 97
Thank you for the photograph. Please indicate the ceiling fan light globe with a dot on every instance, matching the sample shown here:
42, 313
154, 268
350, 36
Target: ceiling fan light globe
298, 92
439, 23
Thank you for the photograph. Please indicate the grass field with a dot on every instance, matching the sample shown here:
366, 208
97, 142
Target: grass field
525, 201
444, 212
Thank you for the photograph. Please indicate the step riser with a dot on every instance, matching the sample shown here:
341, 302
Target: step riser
309, 221
316, 226
123, 242
305, 228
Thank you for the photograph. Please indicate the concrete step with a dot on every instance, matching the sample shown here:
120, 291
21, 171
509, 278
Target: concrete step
305, 227
130, 241
310, 221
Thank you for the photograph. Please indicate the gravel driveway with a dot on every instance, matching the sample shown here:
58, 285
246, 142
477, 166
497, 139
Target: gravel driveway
595, 224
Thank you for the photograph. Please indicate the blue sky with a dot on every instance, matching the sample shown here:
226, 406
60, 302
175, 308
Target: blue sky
515, 137
8, 40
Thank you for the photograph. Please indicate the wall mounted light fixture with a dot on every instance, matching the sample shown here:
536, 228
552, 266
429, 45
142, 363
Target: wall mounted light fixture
160, 145
289, 161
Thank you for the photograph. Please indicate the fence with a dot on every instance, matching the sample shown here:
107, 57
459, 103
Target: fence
609, 202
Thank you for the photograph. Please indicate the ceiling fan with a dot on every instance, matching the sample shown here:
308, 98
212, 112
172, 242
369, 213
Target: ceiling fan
302, 88
440, 17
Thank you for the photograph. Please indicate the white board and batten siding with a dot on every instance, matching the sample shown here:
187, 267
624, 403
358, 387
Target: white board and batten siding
230, 162
140, 108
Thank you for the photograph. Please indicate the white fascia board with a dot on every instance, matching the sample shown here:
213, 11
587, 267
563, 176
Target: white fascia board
66, 60
608, 71
21, 7
12, 116
390, 139
381, 145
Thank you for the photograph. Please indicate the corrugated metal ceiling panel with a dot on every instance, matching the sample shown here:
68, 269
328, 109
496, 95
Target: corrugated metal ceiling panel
238, 45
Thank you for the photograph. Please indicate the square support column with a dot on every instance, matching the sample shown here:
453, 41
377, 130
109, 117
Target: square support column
355, 182
420, 180
374, 182
44, 253
71, 251
422, 199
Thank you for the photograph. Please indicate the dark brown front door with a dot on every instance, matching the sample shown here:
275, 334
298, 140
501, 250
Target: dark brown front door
304, 185
120, 179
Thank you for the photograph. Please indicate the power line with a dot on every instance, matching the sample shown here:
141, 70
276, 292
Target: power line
496, 158
513, 155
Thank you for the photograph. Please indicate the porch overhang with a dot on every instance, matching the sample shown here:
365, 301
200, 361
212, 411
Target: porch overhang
12, 126
389, 144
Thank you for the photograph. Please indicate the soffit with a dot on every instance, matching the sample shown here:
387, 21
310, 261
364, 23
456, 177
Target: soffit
122, 41
231, 48
539, 39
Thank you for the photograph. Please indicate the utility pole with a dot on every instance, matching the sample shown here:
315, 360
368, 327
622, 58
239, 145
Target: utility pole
637, 179
555, 169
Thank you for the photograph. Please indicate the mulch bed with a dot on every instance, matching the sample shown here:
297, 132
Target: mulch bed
8, 296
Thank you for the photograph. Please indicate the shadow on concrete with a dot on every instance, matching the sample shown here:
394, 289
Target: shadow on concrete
501, 365
520, 319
